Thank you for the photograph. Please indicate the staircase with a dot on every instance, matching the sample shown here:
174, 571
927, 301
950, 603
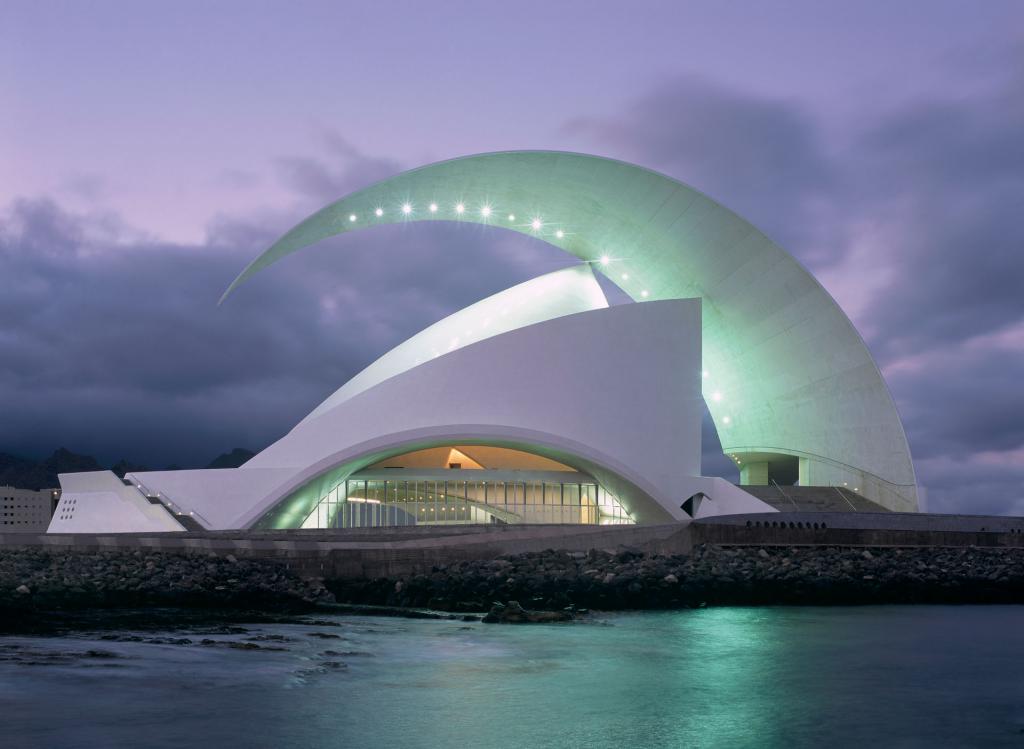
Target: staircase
813, 499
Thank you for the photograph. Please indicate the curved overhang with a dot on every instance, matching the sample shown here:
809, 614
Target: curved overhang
289, 504
632, 420
783, 365
562, 292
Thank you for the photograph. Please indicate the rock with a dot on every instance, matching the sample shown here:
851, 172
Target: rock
232, 558
762, 553
22, 590
670, 579
867, 554
513, 613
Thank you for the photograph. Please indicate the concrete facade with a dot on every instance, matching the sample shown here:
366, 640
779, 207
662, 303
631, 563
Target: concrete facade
25, 510
630, 422
785, 372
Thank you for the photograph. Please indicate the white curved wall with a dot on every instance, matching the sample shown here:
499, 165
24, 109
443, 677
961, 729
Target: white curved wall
543, 298
787, 371
616, 387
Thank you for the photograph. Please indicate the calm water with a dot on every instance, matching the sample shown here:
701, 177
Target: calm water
891, 676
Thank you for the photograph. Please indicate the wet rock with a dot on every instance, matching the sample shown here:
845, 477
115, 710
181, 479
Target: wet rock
514, 613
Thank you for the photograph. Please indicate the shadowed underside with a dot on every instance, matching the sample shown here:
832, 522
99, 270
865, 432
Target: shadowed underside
786, 376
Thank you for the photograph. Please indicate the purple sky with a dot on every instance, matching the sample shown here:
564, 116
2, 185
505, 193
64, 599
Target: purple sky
148, 151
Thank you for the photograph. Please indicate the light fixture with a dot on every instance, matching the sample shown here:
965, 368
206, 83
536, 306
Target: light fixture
644, 293
605, 260
625, 276
716, 396
460, 208
511, 217
559, 233
433, 207
406, 208
379, 212
351, 217
536, 224
704, 374
485, 211
726, 420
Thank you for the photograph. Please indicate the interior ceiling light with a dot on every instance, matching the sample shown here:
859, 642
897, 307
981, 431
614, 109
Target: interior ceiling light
485, 211
559, 233
536, 224
605, 260
352, 217
406, 208
433, 207
379, 211
511, 217
644, 293
460, 208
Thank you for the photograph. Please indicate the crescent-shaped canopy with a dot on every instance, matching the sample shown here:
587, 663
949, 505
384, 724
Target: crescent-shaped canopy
786, 375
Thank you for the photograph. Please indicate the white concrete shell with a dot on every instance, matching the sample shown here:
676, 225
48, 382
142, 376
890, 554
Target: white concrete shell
543, 298
613, 392
787, 375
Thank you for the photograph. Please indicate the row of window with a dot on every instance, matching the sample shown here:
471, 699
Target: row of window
373, 503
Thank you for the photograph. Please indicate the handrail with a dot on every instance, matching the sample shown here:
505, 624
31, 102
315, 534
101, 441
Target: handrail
820, 458
847, 499
795, 505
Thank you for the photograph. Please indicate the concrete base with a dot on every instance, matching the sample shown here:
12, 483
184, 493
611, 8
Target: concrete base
371, 553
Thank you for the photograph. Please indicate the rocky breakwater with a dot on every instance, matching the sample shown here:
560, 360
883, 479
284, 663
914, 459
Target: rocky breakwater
36, 579
629, 579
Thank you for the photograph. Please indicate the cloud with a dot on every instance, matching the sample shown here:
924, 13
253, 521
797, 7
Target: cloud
114, 346
763, 157
911, 218
949, 177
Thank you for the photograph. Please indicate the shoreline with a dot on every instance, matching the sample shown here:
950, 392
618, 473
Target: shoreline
60, 590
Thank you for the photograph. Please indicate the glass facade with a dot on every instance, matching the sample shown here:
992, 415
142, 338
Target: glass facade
382, 502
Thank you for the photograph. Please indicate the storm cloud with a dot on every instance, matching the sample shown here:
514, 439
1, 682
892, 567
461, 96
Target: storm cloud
915, 226
114, 345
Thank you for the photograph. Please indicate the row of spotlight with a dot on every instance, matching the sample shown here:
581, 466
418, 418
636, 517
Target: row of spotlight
486, 211
536, 224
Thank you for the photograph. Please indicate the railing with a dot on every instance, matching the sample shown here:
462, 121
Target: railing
847, 499
776, 483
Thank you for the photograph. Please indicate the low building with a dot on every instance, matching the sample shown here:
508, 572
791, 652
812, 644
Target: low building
25, 509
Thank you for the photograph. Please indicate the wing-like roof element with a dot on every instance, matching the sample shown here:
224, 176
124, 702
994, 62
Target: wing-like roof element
552, 295
785, 372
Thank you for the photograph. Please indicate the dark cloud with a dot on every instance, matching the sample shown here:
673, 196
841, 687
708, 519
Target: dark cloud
343, 171
113, 344
915, 220
763, 157
949, 176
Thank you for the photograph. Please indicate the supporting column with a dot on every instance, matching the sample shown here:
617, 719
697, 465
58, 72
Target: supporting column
754, 474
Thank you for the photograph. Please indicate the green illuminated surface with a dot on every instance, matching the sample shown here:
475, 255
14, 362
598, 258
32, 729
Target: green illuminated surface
786, 373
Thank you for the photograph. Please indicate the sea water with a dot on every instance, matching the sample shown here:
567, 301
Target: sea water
883, 676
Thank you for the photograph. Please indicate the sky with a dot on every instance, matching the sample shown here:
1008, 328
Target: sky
148, 151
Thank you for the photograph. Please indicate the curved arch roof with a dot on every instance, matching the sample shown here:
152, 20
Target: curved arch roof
555, 294
785, 372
